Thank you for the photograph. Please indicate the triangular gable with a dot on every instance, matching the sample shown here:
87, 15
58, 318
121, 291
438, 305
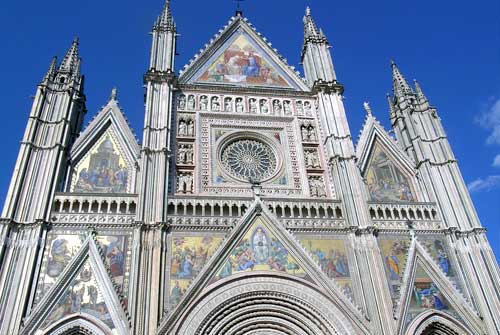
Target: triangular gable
429, 289
296, 258
388, 172
239, 56
83, 289
105, 154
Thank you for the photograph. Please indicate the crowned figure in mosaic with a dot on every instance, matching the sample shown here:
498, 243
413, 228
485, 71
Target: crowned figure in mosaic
247, 208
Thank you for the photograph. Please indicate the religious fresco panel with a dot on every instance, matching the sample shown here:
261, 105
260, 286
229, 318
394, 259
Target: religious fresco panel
426, 295
385, 180
60, 250
438, 251
331, 255
83, 296
103, 170
189, 255
117, 256
242, 63
394, 253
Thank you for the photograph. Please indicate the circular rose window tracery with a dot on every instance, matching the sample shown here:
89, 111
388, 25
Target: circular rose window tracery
249, 160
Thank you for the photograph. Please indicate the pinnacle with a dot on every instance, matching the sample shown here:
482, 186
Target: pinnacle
52, 69
71, 61
114, 95
419, 91
310, 28
368, 109
400, 85
165, 20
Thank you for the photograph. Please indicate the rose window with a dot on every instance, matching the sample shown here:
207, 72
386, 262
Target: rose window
249, 160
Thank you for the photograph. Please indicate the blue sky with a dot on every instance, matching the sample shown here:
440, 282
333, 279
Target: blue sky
451, 48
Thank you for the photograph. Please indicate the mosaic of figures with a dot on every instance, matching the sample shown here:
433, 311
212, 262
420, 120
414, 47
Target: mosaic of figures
104, 170
386, 182
231, 104
259, 250
117, 256
82, 296
426, 295
331, 255
437, 250
242, 63
59, 252
394, 253
189, 255
61, 248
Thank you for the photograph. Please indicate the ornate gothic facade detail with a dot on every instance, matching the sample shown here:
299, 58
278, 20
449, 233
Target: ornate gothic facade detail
246, 209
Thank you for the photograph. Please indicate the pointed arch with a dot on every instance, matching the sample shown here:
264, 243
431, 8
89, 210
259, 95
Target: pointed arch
435, 322
78, 324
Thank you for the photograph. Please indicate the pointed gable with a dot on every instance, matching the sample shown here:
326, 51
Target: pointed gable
388, 172
239, 56
105, 154
83, 290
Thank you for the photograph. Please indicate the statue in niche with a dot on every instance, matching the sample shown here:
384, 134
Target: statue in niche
239, 105
190, 102
300, 108
317, 187
215, 104
185, 154
264, 109
203, 103
312, 159
190, 128
287, 107
277, 107
307, 107
253, 106
182, 130
312, 134
182, 102
185, 183
228, 105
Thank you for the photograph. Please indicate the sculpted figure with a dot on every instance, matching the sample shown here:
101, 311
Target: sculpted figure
190, 128
307, 107
228, 105
312, 134
239, 105
182, 131
253, 106
190, 102
287, 107
182, 102
277, 107
264, 109
215, 104
300, 108
203, 103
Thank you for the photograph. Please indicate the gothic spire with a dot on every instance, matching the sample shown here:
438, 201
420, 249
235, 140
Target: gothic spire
420, 94
71, 62
166, 20
400, 85
51, 72
311, 31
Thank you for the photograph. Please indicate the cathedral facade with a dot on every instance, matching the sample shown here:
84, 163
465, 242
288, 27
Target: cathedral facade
248, 208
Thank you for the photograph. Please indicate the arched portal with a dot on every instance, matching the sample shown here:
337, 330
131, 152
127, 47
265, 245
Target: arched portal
77, 325
436, 323
265, 304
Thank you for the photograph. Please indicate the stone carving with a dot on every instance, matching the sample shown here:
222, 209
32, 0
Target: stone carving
277, 107
185, 154
204, 103
253, 106
185, 127
182, 102
307, 107
317, 186
308, 133
228, 105
264, 108
312, 159
185, 182
300, 108
239, 105
190, 102
249, 159
215, 104
287, 107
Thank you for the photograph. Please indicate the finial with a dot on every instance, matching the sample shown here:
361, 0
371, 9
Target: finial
400, 85
52, 69
308, 11
166, 20
114, 94
239, 11
420, 93
367, 107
